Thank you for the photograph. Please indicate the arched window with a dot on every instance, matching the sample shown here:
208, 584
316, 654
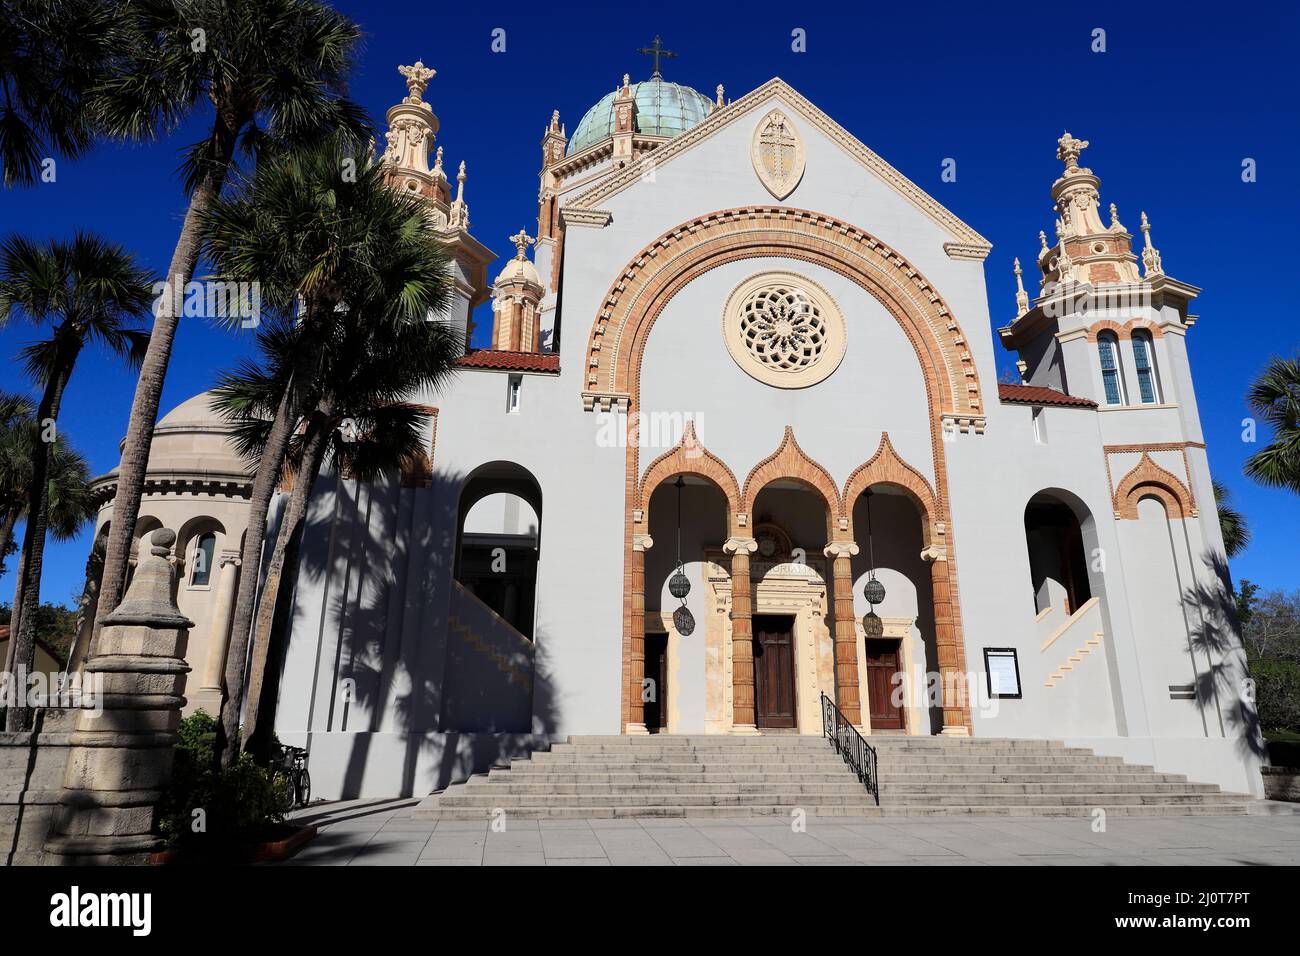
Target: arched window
1144, 361
205, 551
1108, 350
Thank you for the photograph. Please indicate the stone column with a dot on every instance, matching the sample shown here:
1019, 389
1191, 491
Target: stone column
214, 668
848, 694
120, 754
742, 635
945, 639
641, 543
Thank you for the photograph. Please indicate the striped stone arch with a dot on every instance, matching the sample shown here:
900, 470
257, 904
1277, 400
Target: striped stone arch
886, 467
790, 461
688, 457
1149, 480
654, 275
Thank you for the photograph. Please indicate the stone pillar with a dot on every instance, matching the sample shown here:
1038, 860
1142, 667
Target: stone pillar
122, 748
945, 639
641, 543
848, 694
214, 668
742, 635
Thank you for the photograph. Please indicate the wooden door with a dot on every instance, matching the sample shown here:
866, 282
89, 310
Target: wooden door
656, 668
774, 671
882, 665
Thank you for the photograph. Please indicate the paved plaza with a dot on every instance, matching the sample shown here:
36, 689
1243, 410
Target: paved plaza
382, 833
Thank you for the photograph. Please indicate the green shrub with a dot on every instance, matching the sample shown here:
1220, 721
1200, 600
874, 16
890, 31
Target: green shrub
1277, 693
237, 803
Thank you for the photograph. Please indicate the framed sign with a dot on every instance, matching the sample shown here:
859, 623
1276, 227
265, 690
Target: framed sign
1003, 669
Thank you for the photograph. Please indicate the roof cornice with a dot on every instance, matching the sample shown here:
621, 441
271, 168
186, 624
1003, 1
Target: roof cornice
966, 244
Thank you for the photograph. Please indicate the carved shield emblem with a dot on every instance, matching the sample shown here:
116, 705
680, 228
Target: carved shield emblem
778, 154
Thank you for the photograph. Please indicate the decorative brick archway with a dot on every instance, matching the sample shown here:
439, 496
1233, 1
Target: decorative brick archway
651, 279
1149, 480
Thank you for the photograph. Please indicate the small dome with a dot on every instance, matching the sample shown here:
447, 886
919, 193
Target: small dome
662, 109
193, 411
519, 270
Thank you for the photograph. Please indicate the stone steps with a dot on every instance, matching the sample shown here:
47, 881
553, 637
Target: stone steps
663, 776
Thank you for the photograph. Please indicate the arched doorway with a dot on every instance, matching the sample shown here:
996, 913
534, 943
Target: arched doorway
687, 516
498, 541
1058, 566
897, 642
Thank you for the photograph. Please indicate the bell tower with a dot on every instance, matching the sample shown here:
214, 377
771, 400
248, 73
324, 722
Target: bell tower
412, 133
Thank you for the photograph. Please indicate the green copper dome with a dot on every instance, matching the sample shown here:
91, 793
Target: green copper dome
662, 109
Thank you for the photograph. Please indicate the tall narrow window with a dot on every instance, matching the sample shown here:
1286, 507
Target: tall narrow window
1108, 349
513, 393
1144, 363
204, 552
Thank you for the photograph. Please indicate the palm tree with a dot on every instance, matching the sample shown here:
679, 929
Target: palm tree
361, 426
89, 291
15, 464
1232, 523
69, 504
1275, 397
327, 239
274, 73
51, 53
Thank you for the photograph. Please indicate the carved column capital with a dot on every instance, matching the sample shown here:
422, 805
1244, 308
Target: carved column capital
934, 553
229, 557
737, 544
841, 548
642, 542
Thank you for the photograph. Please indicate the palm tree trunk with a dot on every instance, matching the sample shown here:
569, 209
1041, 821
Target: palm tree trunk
15, 612
22, 627
264, 482
313, 455
153, 370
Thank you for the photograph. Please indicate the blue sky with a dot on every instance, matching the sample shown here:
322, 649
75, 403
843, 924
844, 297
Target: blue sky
1172, 107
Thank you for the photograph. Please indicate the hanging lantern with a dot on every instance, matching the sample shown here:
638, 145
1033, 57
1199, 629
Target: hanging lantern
874, 591
873, 627
684, 621
679, 585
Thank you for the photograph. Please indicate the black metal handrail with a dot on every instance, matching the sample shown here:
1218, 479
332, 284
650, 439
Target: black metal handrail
852, 746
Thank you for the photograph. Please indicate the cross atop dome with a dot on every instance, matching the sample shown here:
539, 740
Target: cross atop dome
657, 51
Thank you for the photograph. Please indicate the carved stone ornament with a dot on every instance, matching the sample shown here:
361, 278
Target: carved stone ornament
778, 154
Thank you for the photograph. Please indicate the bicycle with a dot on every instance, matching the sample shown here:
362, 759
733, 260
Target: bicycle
293, 777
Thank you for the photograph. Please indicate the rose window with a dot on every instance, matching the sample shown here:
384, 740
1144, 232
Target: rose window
784, 330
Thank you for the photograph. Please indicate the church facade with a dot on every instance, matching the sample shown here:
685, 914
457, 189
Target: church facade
739, 446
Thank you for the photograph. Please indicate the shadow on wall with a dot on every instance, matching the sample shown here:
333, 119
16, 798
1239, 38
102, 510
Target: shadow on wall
1215, 637
385, 629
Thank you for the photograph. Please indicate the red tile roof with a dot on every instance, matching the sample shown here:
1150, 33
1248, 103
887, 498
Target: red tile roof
512, 361
1037, 395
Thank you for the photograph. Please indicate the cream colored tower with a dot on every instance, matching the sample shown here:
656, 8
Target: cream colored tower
412, 132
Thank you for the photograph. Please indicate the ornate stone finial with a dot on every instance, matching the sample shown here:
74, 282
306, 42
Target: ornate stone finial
417, 80
1150, 255
720, 101
437, 164
1042, 243
149, 599
1115, 224
1068, 149
460, 182
627, 82
555, 119
522, 241
1022, 297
